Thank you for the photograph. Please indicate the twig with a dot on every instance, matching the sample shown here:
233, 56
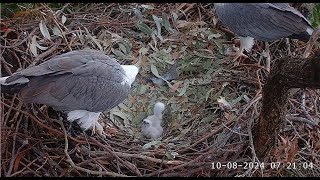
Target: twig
303, 106
213, 132
257, 98
254, 155
62, 9
268, 59
138, 156
21, 42
301, 119
25, 167
127, 164
58, 25
296, 132
180, 166
43, 55
251, 65
15, 154
313, 39
43, 125
69, 160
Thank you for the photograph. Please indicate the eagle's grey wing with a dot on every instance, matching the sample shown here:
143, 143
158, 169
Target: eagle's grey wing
262, 21
95, 84
60, 64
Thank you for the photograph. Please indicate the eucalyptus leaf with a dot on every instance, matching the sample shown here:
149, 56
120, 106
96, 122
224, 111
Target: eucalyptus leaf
127, 45
44, 30
144, 28
147, 6
143, 51
216, 35
122, 48
219, 45
41, 47
96, 41
33, 46
153, 36
166, 23
117, 52
175, 16
158, 22
56, 31
155, 143
63, 19
155, 71
138, 13
183, 90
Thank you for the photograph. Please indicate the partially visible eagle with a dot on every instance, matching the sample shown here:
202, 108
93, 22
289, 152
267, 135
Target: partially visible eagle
263, 21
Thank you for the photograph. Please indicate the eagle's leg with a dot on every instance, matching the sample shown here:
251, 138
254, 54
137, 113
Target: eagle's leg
97, 128
87, 120
240, 54
246, 43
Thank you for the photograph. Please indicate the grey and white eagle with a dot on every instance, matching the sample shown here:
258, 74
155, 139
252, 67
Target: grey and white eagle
262, 21
82, 83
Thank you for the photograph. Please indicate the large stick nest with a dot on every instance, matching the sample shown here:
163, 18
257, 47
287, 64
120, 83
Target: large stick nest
199, 130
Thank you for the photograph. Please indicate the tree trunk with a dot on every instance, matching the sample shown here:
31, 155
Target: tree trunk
287, 73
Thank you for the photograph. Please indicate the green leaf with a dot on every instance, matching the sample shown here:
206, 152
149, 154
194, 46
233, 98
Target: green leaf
155, 143
33, 46
138, 118
155, 71
175, 16
236, 101
147, 6
41, 47
166, 23
63, 19
56, 31
143, 51
183, 90
171, 155
153, 36
219, 45
127, 45
216, 35
142, 90
44, 29
138, 13
158, 22
117, 52
202, 55
96, 41
144, 28
122, 48
208, 93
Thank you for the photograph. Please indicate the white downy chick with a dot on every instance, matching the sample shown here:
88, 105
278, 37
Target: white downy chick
151, 126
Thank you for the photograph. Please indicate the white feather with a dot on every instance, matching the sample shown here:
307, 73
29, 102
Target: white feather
309, 30
131, 72
73, 115
21, 80
158, 109
151, 130
247, 43
85, 119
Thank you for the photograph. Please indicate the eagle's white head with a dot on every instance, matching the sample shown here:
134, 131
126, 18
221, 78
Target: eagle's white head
131, 72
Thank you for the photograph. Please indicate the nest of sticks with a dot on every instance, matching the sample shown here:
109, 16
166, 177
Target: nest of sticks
199, 134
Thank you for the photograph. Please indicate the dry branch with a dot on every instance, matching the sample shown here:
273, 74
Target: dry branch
288, 73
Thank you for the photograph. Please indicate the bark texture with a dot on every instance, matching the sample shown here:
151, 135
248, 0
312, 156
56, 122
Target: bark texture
287, 73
